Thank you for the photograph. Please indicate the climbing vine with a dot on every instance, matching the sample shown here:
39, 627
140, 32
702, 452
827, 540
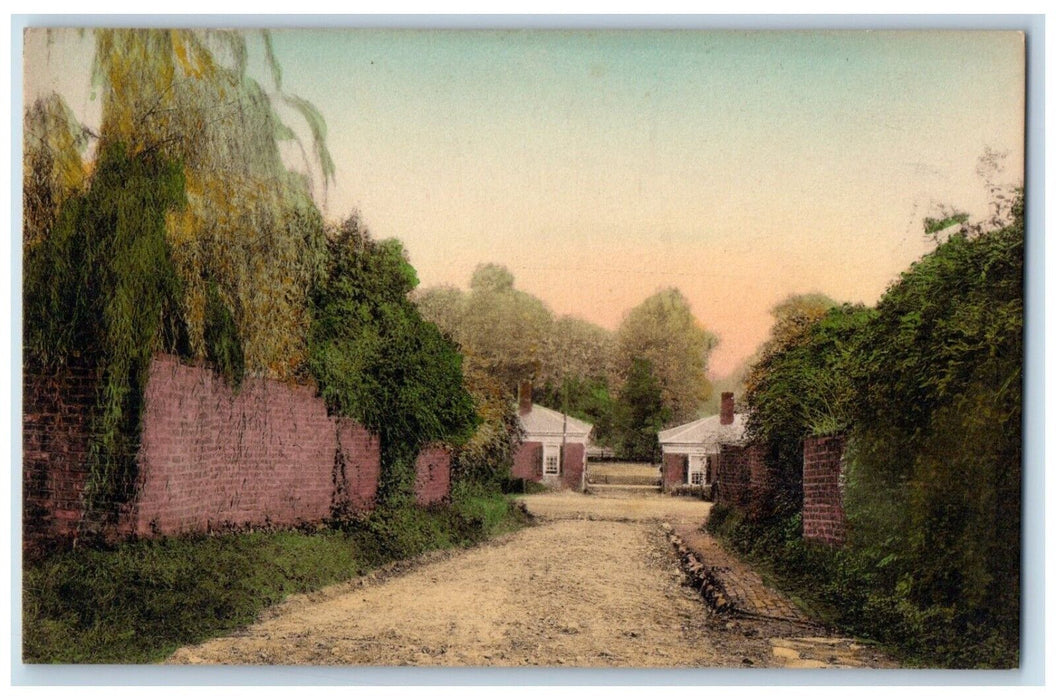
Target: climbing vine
102, 287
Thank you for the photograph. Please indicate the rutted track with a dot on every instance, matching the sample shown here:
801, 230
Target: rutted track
596, 583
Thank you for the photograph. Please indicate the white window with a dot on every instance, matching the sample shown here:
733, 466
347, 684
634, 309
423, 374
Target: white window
551, 460
550, 467
697, 466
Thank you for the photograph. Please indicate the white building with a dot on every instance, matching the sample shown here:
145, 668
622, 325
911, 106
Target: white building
691, 450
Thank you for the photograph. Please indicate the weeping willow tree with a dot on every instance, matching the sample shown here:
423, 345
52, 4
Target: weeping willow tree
53, 147
186, 232
250, 232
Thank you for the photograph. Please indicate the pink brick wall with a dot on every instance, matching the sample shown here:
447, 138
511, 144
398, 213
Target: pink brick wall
432, 482
209, 457
357, 467
823, 516
573, 461
528, 461
674, 470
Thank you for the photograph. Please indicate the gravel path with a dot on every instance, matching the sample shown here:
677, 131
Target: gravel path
595, 584
580, 593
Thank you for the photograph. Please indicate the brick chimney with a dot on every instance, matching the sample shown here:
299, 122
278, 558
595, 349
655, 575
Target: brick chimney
524, 397
726, 411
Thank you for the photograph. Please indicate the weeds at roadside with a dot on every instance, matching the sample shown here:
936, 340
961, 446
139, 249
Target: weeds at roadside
139, 601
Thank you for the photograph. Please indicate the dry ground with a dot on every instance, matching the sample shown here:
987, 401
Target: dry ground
595, 584
640, 469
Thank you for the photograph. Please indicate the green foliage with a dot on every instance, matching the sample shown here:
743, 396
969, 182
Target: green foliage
928, 387
102, 287
486, 459
640, 414
138, 602
377, 360
404, 531
512, 336
934, 225
588, 399
504, 331
491, 278
250, 222
847, 588
800, 385
507, 336
934, 478
663, 330
223, 347
52, 166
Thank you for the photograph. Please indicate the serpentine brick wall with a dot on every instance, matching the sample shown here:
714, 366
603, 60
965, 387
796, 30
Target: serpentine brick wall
823, 516
209, 457
432, 483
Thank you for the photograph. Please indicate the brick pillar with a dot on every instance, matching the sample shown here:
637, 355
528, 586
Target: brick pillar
432, 472
823, 516
732, 480
528, 461
760, 484
56, 414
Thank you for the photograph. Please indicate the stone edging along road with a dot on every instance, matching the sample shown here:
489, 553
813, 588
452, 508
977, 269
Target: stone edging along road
726, 584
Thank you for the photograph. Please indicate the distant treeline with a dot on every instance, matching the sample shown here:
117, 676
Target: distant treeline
650, 373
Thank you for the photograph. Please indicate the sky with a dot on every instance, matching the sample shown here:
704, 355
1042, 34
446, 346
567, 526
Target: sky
602, 166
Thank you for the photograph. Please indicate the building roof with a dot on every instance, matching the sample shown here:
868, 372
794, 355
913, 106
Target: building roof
540, 420
707, 431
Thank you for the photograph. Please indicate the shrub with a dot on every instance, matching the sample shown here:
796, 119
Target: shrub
378, 361
800, 386
934, 478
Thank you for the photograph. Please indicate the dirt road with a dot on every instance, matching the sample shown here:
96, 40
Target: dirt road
594, 584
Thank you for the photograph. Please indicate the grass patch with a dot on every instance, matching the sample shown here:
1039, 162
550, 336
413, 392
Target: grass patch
846, 589
141, 600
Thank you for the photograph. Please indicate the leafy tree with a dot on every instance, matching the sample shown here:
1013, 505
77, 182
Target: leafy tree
580, 351
663, 330
800, 385
53, 168
506, 330
377, 360
486, 459
511, 336
250, 234
444, 305
640, 413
